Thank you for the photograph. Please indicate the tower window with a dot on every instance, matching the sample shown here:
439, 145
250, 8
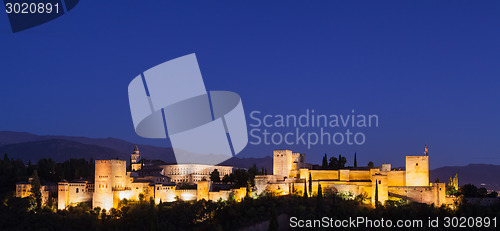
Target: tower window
76, 190
416, 164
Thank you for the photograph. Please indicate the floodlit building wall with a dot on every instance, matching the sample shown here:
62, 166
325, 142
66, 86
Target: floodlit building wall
282, 163
379, 185
417, 170
319, 174
355, 175
110, 176
62, 195
77, 193
434, 194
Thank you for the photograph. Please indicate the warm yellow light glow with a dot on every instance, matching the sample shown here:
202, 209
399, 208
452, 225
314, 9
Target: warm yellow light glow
187, 196
125, 194
171, 198
107, 204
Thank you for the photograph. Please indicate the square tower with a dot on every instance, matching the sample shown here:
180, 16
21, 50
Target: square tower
110, 176
417, 170
282, 162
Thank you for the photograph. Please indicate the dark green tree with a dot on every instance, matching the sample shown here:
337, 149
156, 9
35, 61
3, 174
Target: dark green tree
248, 189
35, 189
342, 161
334, 163
371, 164
355, 160
482, 192
469, 190
214, 176
253, 170
377, 203
319, 202
324, 165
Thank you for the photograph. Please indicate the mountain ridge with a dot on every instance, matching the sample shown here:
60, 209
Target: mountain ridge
31, 147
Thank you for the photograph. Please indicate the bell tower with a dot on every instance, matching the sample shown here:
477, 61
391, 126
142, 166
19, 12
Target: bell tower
135, 159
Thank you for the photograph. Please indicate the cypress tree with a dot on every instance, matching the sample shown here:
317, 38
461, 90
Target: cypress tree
355, 160
340, 162
324, 165
35, 189
319, 202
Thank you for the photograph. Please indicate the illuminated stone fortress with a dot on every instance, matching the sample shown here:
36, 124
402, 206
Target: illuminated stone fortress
290, 172
166, 182
153, 179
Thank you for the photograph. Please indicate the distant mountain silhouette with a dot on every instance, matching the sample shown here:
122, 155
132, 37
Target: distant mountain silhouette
59, 150
27, 146
264, 162
480, 175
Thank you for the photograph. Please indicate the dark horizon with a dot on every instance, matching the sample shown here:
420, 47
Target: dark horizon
126, 153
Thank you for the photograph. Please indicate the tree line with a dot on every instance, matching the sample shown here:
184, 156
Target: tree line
335, 163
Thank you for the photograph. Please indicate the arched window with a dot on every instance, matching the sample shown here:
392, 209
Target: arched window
76, 190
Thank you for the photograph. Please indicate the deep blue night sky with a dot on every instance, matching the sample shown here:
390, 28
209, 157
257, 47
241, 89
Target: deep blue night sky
429, 69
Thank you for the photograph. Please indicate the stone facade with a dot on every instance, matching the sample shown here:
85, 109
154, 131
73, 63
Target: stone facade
412, 184
417, 170
291, 174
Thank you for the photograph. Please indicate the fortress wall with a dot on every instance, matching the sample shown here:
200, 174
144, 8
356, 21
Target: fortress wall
344, 174
359, 175
77, 193
202, 189
261, 182
440, 189
215, 196
186, 194
423, 194
379, 186
323, 175
351, 188
396, 178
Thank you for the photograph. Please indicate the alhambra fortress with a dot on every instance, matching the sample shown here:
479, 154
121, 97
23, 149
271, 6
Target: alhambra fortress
291, 174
